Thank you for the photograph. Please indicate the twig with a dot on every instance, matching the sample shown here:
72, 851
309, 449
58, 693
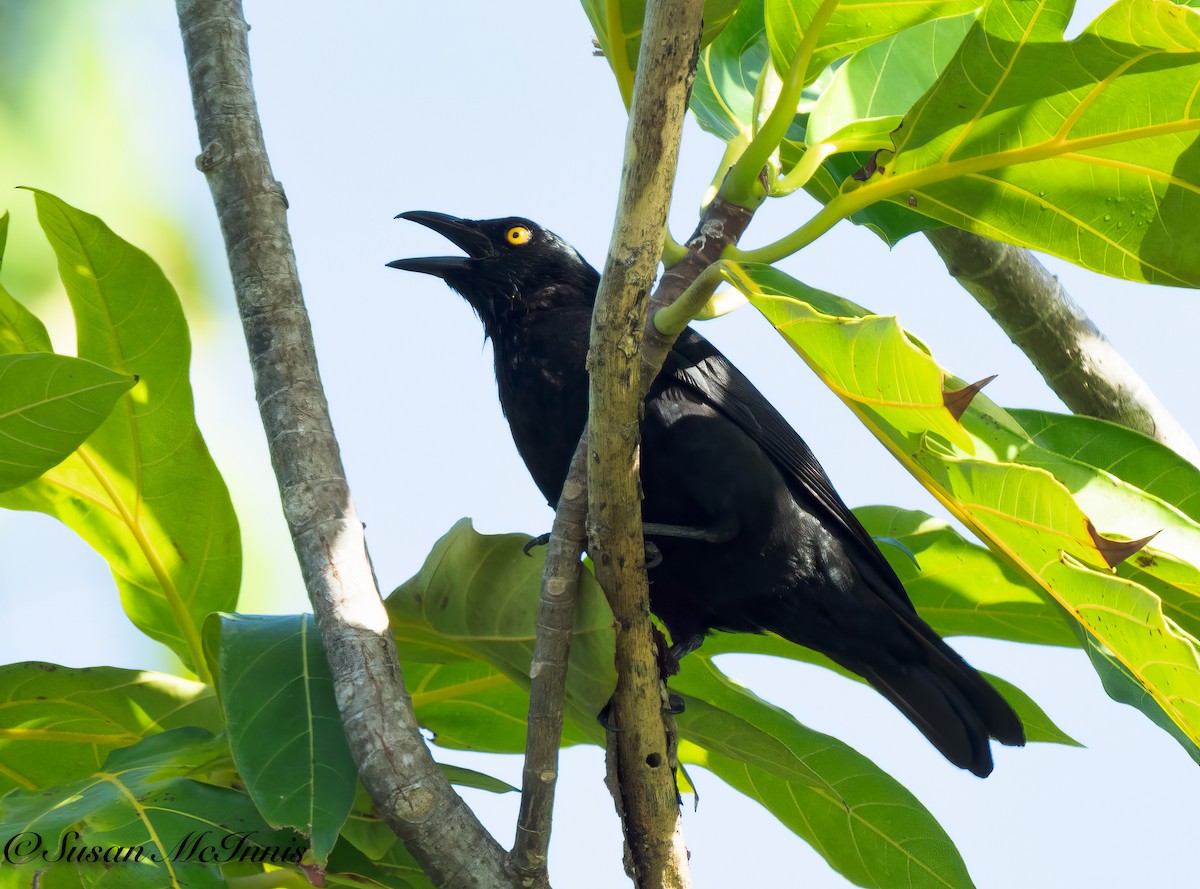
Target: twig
548, 674
1042, 319
409, 790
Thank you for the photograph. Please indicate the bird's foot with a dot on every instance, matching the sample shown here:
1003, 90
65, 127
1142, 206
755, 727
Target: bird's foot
540, 540
604, 717
653, 555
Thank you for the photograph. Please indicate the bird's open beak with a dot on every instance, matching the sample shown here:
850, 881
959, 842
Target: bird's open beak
463, 233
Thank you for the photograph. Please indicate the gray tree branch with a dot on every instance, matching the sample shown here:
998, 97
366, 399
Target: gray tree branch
548, 674
1077, 362
409, 790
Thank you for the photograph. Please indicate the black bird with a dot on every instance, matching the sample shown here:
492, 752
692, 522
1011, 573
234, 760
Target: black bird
752, 536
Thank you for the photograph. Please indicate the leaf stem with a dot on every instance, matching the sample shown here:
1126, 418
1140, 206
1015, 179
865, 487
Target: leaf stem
671, 320
741, 184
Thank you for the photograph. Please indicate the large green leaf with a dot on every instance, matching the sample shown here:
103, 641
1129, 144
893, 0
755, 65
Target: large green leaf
1142, 462
157, 825
284, 728
1036, 508
727, 74
1085, 149
885, 79
143, 490
49, 405
961, 588
618, 27
860, 819
471, 705
853, 25
57, 724
474, 599
723, 100
472, 608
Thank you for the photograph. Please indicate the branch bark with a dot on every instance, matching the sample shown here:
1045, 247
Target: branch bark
670, 42
1074, 358
548, 674
409, 790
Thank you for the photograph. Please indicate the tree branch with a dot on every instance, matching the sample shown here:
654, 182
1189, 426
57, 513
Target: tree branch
409, 790
666, 66
548, 674
1070, 353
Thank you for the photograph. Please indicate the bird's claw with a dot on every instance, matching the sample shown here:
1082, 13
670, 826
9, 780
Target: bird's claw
653, 555
674, 705
540, 540
604, 717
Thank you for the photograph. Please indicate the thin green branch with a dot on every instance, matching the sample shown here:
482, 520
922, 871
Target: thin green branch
831, 214
671, 320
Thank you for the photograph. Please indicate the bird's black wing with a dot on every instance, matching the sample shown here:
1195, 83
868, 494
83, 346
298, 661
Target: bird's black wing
697, 364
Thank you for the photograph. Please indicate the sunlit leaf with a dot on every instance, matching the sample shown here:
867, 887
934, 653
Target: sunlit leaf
143, 490
963, 589
59, 723
885, 78
1034, 507
1085, 149
727, 77
148, 814
854, 24
49, 405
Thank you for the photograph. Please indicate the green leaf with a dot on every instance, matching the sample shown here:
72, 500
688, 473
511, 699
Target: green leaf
722, 99
1130, 456
477, 780
912, 402
961, 588
284, 728
20, 329
143, 490
860, 819
472, 607
162, 827
61, 722
1085, 149
854, 25
886, 78
3, 234
727, 74
393, 868
1033, 507
49, 405
618, 27
475, 600
470, 705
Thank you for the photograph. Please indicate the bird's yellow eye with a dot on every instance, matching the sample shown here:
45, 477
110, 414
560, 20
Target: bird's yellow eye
518, 234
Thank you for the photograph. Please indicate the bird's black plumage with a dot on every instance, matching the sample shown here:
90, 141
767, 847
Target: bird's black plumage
752, 535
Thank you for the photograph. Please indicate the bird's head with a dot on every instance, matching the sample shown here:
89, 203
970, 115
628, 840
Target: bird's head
512, 266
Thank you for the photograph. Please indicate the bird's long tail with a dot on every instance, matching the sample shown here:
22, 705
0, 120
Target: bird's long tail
952, 705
